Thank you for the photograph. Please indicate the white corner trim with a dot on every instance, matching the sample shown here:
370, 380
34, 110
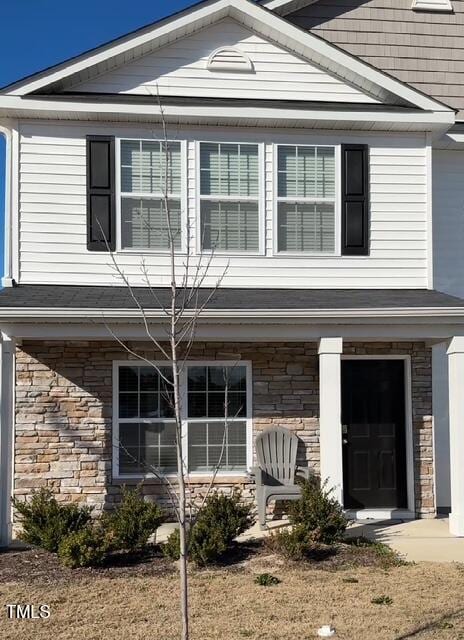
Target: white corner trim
7, 372
429, 209
432, 5
7, 279
229, 59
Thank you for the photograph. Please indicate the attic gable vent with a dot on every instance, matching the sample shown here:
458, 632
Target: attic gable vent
432, 5
229, 59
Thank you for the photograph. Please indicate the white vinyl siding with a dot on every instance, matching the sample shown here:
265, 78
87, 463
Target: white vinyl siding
229, 197
216, 418
181, 69
306, 199
151, 185
52, 213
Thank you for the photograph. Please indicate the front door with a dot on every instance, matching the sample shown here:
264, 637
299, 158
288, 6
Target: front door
373, 432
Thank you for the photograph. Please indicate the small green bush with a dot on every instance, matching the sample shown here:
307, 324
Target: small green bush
387, 556
45, 522
267, 580
133, 521
294, 544
382, 600
318, 513
171, 548
85, 548
221, 519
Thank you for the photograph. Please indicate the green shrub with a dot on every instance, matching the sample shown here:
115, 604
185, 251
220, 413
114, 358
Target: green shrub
294, 544
267, 580
133, 521
85, 548
221, 519
45, 522
382, 600
171, 548
318, 513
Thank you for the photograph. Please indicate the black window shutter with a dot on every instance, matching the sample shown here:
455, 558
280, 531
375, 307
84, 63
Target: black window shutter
355, 200
101, 230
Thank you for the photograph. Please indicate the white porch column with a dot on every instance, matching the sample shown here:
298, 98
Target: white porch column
7, 375
330, 408
456, 431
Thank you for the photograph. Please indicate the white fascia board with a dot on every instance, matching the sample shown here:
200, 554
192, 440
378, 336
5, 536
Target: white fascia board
425, 121
254, 16
406, 314
284, 7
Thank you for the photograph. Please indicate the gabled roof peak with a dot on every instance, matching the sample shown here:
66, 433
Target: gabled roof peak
256, 18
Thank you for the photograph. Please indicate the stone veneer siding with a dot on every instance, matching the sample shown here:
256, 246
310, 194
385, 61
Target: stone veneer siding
64, 408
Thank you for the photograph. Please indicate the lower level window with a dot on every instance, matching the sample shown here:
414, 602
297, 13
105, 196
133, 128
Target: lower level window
216, 418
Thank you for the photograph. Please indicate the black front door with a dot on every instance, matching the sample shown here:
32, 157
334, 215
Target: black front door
373, 432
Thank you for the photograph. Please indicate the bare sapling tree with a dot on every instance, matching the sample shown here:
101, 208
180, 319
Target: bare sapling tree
172, 338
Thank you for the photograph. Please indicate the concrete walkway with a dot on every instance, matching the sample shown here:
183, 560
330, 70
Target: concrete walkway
415, 540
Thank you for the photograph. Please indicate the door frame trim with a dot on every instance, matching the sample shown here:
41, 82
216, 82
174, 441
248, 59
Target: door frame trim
410, 489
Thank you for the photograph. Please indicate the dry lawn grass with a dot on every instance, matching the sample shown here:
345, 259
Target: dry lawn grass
226, 604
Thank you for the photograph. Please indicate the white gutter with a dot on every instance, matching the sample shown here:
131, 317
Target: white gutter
27, 107
7, 280
26, 314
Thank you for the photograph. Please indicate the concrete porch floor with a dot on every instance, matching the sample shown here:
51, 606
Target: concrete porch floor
415, 540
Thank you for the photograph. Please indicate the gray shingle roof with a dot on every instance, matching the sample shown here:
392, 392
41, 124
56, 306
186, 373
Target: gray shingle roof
113, 297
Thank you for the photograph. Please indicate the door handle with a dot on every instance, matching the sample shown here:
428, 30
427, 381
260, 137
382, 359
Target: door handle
345, 441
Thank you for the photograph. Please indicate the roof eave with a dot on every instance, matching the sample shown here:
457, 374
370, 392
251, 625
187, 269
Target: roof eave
311, 116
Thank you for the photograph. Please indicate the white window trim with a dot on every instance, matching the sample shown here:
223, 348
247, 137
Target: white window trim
261, 200
183, 197
275, 204
118, 477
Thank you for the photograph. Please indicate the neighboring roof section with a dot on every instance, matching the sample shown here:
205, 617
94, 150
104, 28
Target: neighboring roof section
424, 50
114, 297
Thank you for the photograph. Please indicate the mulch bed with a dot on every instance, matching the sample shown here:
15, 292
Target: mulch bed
27, 565
36, 565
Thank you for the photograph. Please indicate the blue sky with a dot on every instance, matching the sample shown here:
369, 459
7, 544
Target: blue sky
35, 34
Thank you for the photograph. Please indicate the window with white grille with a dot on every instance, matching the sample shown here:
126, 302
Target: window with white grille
151, 185
229, 197
216, 418
306, 199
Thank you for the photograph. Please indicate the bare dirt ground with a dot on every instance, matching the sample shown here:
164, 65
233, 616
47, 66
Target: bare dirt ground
140, 601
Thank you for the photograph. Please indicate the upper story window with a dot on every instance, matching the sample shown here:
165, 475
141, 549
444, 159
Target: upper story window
306, 199
151, 186
229, 197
